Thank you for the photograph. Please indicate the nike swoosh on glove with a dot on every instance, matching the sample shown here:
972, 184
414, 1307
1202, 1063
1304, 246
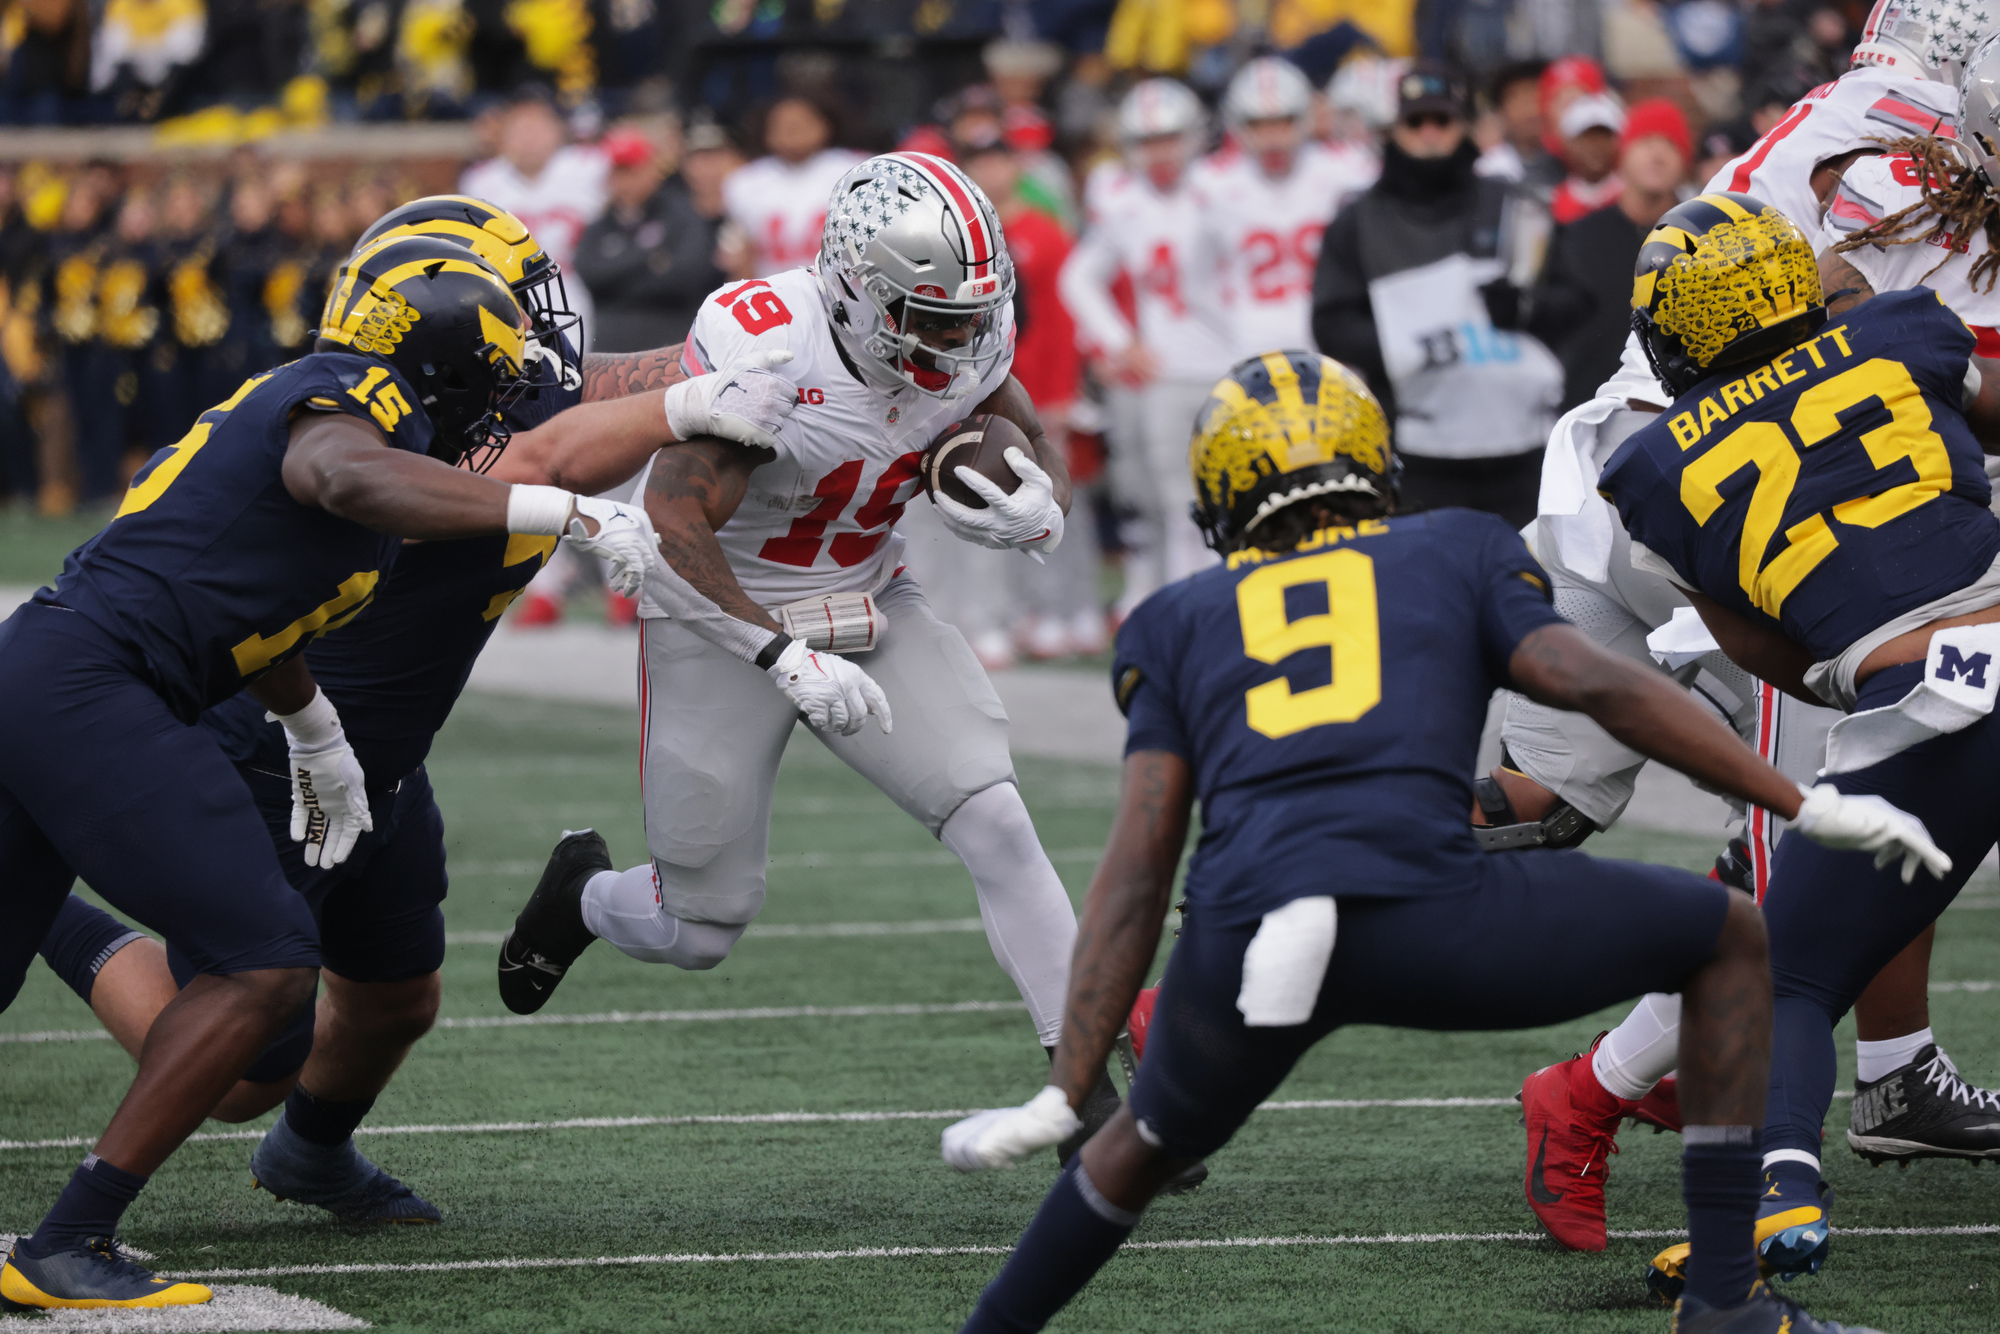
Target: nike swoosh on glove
1836, 819
624, 537
1005, 1135
833, 693
1028, 520
329, 799
745, 401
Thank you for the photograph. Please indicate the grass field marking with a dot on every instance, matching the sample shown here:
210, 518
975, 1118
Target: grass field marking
925, 1252
813, 930
796, 861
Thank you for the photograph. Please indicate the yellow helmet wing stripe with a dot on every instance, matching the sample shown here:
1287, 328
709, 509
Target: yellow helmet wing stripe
504, 336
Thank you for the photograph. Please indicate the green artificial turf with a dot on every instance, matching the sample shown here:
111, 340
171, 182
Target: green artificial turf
512, 775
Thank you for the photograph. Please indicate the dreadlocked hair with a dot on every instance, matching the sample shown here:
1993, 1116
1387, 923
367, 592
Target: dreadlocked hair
1295, 523
1955, 194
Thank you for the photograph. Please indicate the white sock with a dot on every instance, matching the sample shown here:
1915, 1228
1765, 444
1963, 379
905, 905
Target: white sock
1643, 1050
1029, 921
623, 907
1873, 1060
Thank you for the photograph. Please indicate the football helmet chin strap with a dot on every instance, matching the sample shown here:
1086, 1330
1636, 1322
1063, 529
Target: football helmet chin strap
1563, 827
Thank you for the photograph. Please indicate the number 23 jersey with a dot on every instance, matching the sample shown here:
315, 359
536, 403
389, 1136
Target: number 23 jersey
1828, 491
820, 517
1329, 701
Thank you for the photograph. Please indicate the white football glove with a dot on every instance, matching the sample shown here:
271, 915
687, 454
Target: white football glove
745, 401
329, 802
1834, 819
1004, 1136
833, 693
1028, 520
624, 538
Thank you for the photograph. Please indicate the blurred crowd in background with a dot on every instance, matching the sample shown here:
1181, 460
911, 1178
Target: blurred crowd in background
658, 154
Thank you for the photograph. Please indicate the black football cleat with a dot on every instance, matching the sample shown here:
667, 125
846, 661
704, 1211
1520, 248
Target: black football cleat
1764, 1313
336, 1178
94, 1276
549, 934
1924, 1110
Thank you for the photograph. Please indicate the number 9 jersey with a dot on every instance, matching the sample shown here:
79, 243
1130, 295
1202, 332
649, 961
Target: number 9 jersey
1329, 701
1825, 492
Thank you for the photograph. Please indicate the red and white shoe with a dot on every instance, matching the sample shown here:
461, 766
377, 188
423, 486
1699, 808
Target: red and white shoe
536, 610
1660, 1109
1572, 1125
1140, 1022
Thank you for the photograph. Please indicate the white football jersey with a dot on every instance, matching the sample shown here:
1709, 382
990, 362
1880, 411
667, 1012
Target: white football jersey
820, 518
1875, 187
1156, 240
555, 206
782, 208
1265, 234
1860, 107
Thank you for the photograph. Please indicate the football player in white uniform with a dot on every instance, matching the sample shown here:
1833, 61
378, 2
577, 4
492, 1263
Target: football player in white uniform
1265, 199
1144, 221
779, 201
1569, 777
903, 326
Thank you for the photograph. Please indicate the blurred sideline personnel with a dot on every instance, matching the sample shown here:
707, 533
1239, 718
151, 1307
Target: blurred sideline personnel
1341, 663
1876, 602
1265, 199
1470, 415
778, 202
271, 522
394, 676
904, 326
1143, 220
1563, 772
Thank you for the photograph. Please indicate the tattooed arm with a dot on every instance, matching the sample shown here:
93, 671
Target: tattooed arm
693, 489
616, 374
1122, 915
590, 448
1835, 275
1011, 401
1557, 666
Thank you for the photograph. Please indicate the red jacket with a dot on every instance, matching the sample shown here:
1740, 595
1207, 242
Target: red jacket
1045, 356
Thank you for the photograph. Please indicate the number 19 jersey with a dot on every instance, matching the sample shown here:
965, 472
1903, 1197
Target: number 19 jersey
1827, 491
1329, 701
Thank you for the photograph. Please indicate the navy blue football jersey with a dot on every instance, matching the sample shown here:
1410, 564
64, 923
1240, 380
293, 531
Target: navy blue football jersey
395, 674
1825, 492
210, 571
1329, 701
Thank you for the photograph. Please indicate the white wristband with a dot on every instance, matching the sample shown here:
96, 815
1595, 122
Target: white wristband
314, 725
542, 510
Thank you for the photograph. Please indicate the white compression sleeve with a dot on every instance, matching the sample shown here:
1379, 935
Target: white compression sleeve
621, 907
1026, 910
1643, 1050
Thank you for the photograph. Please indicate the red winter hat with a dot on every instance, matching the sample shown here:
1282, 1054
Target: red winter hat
1657, 115
627, 148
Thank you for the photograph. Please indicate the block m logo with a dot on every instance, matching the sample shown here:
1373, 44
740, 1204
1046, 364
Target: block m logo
1951, 663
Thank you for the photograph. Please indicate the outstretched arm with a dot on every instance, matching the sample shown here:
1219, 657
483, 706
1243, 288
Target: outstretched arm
693, 489
616, 374
344, 466
1011, 401
589, 448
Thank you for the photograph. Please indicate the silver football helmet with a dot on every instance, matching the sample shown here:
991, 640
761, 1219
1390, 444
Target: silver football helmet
1268, 88
1159, 107
915, 275
1926, 39
1979, 110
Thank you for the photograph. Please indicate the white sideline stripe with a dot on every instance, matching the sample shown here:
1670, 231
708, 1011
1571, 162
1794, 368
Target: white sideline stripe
922, 1252
942, 926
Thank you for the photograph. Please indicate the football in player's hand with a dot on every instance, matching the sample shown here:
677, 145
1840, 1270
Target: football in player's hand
980, 443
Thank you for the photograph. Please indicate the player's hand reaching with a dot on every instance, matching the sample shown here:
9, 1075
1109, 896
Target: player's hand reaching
1029, 519
1869, 824
833, 693
624, 538
746, 401
329, 803
1004, 1136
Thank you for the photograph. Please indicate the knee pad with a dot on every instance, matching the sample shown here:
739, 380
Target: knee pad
699, 946
992, 822
729, 889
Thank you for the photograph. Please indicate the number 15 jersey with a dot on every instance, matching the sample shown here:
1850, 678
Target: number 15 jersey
1329, 701
1828, 491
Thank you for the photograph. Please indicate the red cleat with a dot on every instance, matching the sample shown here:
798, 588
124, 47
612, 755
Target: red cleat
1660, 1109
1141, 1020
537, 610
1572, 1127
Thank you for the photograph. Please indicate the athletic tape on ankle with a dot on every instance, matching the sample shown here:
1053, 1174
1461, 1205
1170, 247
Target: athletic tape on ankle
1723, 1135
1776, 1156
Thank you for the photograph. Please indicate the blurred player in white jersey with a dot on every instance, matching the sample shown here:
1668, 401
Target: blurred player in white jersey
903, 326
1143, 221
1567, 775
778, 202
1265, 199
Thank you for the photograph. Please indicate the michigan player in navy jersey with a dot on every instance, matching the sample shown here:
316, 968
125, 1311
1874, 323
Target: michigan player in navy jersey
1816, 489
394, 677
272, 522
1322, 695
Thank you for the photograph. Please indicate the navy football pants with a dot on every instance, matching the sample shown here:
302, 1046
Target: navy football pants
99, 779
1836, 921
1541, 937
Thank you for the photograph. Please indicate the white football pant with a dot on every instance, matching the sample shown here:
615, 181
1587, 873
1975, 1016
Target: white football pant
1148, 438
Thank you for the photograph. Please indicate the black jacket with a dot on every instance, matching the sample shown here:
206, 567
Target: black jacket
648, 275
1419, 212
1582, 305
